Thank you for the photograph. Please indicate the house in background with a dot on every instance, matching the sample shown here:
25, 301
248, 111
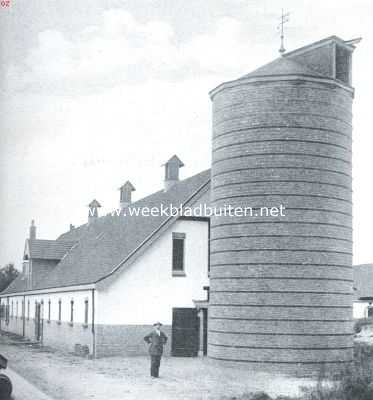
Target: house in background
100, 287
363, 291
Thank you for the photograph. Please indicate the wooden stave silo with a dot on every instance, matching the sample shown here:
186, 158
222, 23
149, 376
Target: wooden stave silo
281, 288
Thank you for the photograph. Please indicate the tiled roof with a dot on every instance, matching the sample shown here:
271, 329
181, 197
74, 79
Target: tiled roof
111, 240
49, 249
363, 281
18, 285
282, 66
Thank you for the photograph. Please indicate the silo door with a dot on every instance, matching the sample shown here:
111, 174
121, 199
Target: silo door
185, 332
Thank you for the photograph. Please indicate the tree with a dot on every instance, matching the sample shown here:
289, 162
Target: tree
7, 275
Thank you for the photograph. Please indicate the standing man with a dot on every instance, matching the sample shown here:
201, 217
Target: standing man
157, 339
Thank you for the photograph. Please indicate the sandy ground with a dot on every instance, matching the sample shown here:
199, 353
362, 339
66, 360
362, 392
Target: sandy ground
24, 390
68, 377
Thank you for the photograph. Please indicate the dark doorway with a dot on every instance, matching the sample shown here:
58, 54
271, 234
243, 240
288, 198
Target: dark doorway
38, 323
185, 332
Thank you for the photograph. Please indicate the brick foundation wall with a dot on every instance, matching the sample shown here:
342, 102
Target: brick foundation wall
65, 336
62, 336
126, 340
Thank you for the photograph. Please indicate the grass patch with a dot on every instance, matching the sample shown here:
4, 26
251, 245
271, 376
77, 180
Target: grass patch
355, 383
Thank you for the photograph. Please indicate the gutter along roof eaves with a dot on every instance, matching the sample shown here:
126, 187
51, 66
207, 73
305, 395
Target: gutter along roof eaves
71, 288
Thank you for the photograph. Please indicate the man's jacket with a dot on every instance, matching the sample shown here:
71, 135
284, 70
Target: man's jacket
156, 341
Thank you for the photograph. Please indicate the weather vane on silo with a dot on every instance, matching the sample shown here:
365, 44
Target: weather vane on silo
284, 18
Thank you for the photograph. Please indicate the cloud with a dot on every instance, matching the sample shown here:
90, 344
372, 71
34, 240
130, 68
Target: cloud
122, 49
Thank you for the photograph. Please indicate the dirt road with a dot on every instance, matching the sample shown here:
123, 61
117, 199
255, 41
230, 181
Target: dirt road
68, 377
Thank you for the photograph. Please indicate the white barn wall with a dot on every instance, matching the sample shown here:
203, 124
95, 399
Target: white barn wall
59, 334
147, 291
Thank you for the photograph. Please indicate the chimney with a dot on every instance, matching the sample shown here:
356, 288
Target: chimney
72, 227
126, 194
93, 211
172, 167
32, 230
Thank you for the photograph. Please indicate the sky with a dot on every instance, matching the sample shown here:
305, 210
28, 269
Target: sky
97, 92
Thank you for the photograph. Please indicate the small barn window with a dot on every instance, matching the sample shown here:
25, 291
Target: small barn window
49, 310
59, 310
86, 312
178, 245
71, 311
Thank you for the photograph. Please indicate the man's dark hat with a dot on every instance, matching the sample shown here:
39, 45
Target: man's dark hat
157, 323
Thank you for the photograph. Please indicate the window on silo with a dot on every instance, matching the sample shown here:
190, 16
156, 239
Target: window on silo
178, 247
343, 65
49, 310
28, 309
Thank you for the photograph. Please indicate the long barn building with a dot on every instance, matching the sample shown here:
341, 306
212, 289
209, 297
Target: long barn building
271, 293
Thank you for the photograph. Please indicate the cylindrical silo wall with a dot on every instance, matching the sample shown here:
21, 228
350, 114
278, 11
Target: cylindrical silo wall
281, 287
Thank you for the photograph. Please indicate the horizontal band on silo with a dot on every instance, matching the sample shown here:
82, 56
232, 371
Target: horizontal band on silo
245, 222
281, 175
320, 103
277, 181
266, 127
285, 249
274, 93
282, 326
269, 270
287, 153
269, 135
276, 284
281, 355
218, 238
279, 340
274, 312
292, 148
281, 160
277, 227
260, 118
281, 298
260, 256
245, 109
265, 335
296, 363
261, 121
252, 319
242, 144
280, 348
283, 195
252, 243
273, 169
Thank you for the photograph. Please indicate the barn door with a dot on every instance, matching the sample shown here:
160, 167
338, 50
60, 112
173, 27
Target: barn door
185, 332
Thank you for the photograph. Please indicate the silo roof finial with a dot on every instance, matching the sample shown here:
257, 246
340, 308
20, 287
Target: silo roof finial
284, 18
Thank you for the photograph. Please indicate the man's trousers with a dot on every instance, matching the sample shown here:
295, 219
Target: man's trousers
154, 366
